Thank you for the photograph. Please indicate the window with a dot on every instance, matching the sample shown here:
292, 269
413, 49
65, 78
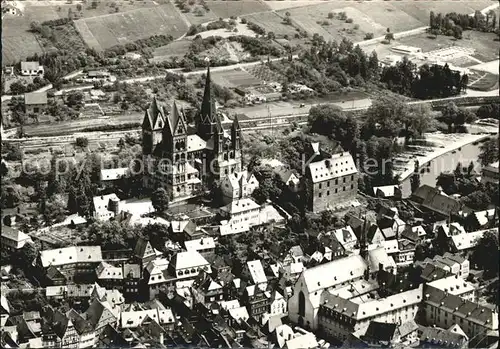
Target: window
319, 186
336, 190
343, 180
336, 181
352, 186
352, 177
327, 192
319, 195
328, 183
343, 188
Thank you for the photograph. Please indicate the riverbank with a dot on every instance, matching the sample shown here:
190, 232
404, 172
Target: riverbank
445, 143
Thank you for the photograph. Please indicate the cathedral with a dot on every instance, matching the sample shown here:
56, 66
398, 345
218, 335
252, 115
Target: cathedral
183, 158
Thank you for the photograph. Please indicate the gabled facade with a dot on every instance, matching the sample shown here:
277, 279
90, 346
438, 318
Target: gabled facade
180, 159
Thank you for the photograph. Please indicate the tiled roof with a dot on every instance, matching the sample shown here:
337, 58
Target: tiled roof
14, 234
338, 271
257, 271
35, 98
460, 307
107, 271
241, 205
30, 65
114, 173
339, 165
101, 202
452, 284
195, 143
69, 255
467, 240
200, 244
441, 338
364, 310
188, 259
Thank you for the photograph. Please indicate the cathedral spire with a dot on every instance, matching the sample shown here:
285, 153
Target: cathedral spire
208, 103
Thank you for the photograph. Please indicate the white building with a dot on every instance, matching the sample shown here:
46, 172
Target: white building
14, 239
242, 214
303, 306
454, 285
106, 207
237, 186
339, 317
31, 69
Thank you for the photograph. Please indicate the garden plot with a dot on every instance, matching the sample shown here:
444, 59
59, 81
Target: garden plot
234, 78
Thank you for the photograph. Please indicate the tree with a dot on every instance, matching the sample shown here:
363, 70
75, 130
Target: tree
384, 116
486, 253
160, 199
17, 88
75, 100
82, 142
70, 13
449, 115
489, 152
415, 182
389, 36
94, 4
79, 7
331, 121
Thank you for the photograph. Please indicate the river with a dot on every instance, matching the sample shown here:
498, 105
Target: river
443, 163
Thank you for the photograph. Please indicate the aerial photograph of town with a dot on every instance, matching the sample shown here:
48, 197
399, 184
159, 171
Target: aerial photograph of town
289, 174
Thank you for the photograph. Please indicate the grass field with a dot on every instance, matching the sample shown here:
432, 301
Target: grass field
234, 78
272, 22
109, 30
485, 82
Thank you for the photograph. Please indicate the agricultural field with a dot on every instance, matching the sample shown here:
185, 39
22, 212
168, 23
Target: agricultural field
225, 9
103, 32
174, 49
234, 78
13, 32
231, 51
272, 22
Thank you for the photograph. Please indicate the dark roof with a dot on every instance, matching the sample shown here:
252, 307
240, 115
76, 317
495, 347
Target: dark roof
143, 248
432, 272
134, 270
423, 192
440, 337
380, 331
53, 273
388, 233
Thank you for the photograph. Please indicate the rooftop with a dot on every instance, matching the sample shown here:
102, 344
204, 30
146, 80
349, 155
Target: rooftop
35, 98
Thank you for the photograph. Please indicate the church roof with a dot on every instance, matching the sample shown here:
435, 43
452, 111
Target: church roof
155, 116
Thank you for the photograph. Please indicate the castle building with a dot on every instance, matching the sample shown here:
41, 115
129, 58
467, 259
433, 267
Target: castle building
182, 158
331, 179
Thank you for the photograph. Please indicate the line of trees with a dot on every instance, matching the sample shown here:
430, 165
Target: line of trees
453, 24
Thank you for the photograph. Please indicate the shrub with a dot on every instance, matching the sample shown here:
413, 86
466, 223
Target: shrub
368, 36
349, 20
82, 142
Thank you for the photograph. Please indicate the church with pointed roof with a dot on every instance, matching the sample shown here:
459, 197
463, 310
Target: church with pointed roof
181, 157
